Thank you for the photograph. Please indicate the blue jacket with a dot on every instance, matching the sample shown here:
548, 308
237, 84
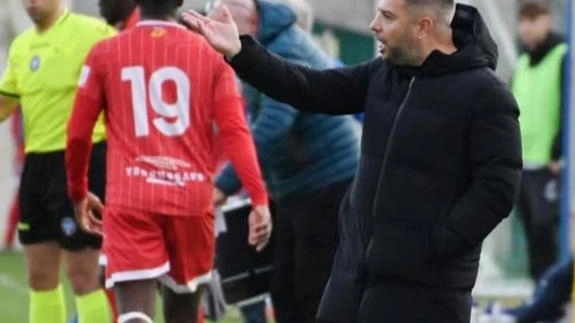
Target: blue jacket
298, 151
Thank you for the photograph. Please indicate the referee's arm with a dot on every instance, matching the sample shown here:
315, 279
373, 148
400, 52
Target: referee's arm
9, 90
8, 104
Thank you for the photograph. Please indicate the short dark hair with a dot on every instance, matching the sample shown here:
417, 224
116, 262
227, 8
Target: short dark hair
444, 8
115, 11
159, 8
533, 9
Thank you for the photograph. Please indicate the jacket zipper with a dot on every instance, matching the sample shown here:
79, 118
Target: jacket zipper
386, 157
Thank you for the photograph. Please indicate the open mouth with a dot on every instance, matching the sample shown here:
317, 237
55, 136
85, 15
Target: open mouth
381, 47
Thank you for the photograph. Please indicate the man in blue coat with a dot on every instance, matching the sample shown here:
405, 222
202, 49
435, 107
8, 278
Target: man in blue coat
308, 161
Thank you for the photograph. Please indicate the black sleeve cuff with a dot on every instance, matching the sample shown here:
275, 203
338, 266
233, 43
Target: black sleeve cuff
10, 95
244, 60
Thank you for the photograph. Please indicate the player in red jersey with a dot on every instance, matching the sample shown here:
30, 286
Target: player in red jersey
162, 89
122, 14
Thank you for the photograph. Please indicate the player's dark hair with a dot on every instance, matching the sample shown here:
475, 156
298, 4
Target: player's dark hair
159, 9
115, 11
533, 9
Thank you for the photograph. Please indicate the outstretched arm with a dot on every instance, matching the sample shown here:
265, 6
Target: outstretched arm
335, 91
239, 147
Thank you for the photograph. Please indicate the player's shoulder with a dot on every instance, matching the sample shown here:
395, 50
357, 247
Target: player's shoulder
23, 40
90, 26
199, 44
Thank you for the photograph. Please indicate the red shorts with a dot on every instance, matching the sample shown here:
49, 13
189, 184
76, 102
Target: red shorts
177, 250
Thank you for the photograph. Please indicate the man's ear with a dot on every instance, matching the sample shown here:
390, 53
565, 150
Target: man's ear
425, 26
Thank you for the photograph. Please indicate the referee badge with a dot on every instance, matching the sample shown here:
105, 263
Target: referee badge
35, 63
69, 226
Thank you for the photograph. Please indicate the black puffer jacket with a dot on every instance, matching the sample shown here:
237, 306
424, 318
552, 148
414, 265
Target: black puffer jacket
440, 162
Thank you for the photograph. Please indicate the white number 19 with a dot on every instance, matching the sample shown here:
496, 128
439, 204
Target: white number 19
173, 118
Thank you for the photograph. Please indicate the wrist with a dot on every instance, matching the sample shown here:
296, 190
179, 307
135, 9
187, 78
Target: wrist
77, 197
235, 50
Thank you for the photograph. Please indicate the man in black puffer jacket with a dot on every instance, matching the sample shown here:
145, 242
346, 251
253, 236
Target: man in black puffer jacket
440, 162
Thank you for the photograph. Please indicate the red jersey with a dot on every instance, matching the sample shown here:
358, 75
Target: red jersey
132, 20
163, 90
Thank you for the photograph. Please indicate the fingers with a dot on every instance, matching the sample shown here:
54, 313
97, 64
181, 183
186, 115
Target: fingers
94, 224
85, 212
88, 222
260, 228
95, 204
194, 20
256, 237
259, 242
225, 15
194, 15
192, 23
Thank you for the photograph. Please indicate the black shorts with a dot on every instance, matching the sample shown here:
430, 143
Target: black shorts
46, 212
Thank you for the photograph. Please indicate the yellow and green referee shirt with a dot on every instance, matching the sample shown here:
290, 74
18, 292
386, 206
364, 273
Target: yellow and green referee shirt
43, 71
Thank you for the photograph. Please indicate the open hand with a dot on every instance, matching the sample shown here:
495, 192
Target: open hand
85, 212
219, 29
260, 227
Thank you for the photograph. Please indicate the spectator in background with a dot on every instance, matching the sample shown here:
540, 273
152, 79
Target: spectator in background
538, 88
308, 162
552, 293
303, 12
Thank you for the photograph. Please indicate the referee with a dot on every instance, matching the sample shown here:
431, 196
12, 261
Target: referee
43, 68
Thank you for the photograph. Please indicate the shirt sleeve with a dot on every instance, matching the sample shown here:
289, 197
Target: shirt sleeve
236, 139
9, 82
87, 108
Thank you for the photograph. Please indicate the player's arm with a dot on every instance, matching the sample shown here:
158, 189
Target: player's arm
239, 147
273, 123
87, 108
335, 91
8, 105
9, 93
236, 139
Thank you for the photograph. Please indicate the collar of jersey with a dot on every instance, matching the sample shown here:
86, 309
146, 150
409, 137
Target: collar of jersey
61, 19
164, 23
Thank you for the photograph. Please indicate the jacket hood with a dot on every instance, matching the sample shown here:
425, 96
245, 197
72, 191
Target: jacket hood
476, 47
275, 17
